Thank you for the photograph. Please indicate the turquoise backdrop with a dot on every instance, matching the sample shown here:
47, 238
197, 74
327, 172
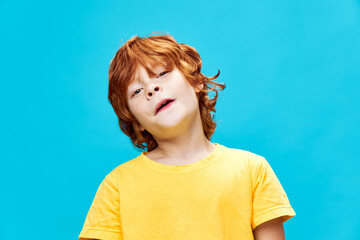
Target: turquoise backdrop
292, 70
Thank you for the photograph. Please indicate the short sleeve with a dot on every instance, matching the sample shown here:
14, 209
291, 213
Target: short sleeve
268, 196
103, 218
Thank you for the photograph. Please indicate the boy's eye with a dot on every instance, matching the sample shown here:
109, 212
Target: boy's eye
162, 74
137, 91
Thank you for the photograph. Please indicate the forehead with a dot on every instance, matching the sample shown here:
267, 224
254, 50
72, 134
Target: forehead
148, 71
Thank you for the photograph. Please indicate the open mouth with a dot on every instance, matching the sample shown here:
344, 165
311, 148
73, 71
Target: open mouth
163, 104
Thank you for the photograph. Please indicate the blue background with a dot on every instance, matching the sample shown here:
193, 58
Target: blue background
292, 74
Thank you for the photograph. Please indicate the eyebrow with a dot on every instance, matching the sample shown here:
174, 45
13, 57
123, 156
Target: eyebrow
159, 68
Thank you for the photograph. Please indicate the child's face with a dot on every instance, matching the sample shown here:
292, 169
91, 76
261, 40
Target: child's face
145, 94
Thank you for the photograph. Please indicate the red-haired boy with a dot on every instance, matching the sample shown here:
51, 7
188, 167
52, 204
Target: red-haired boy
182, 186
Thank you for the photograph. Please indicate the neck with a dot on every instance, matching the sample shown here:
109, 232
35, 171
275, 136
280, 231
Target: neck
186, 147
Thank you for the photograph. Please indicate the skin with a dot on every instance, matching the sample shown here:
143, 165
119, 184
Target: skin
177, 130
270, 230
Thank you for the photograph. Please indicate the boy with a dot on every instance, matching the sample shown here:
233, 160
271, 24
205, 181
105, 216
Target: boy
183, 186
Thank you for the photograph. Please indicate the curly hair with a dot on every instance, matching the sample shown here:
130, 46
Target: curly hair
150, 52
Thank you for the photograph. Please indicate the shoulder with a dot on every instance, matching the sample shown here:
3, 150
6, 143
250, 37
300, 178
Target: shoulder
249, 156
245, 160
114, 176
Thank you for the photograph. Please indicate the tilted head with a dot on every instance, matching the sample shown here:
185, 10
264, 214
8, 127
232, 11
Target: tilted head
151, 53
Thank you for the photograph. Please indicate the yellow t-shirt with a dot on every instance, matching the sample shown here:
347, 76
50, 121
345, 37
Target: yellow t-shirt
223, 196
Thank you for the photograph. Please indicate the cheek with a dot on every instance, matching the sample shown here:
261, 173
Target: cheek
133, 109
189, 91
137, 109
136, 114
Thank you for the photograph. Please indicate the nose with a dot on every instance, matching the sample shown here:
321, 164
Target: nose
152, 90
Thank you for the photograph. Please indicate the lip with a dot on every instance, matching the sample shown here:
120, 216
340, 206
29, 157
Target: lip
161, 102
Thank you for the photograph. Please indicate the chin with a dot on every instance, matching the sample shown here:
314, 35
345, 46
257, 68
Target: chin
169, 125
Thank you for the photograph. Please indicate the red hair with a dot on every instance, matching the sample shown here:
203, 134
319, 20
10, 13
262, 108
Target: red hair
150, 52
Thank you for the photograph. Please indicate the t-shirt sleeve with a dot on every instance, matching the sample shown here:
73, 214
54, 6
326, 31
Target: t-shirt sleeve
268, 196
103, 218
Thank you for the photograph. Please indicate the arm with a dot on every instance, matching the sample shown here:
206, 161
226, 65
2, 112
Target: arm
270, 230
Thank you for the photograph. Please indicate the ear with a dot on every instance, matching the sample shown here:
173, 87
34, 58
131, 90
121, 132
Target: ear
137, 125
141, 128
199, 87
